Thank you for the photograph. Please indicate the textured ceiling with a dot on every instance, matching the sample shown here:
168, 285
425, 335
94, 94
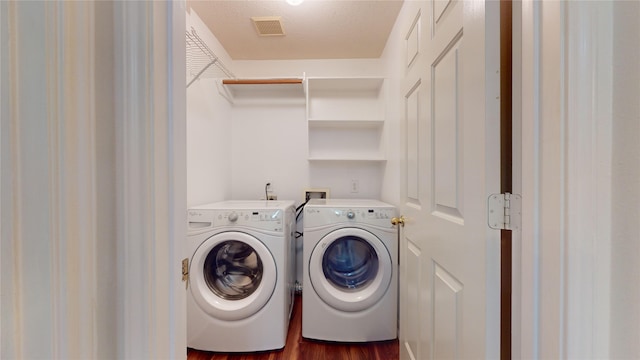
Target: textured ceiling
315, 29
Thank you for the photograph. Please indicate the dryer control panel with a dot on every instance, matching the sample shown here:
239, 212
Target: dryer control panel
319, 216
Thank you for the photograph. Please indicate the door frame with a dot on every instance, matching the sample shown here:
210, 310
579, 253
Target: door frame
93, 178
562, 137
150, 103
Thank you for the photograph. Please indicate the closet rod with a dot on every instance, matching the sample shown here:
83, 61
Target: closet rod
260, 81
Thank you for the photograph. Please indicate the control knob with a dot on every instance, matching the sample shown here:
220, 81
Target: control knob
233, 217
351, 215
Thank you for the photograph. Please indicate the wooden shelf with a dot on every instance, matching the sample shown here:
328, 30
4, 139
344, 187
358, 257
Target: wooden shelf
358, 159
282, 81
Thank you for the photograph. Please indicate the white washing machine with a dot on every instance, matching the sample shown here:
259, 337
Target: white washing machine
350, 283
241, 275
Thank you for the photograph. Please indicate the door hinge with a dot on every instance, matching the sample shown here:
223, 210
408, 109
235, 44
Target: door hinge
504, 211
185, 272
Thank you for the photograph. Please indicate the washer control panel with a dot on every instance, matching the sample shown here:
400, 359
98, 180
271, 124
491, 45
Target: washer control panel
271, 219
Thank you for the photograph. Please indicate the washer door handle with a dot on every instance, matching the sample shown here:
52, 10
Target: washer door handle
185, 272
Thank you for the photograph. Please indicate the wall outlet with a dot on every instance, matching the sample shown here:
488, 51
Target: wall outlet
355, 185
272, 197
315, 194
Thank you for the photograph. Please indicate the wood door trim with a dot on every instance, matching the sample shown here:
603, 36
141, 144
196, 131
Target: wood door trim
506, 173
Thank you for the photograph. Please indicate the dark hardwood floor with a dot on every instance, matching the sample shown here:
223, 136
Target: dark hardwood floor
298, 348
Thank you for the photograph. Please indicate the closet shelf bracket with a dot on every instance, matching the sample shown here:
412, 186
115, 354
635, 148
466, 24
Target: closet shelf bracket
201, 61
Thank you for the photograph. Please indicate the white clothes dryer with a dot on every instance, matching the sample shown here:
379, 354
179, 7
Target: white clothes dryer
350, 283
241, 275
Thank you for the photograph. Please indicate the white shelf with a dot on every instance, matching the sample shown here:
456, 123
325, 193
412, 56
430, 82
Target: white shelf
271, 90
348, 143
280, 90
345, 99
358, 159
345, 124
345, 118
360, 85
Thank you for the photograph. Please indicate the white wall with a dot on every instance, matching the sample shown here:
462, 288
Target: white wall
208, 130
393, 59
26, 310
106, 179
625, 243
269, 146
208, 144
282, 128
312, 68
93, 201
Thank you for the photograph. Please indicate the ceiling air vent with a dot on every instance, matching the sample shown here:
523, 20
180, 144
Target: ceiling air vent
268, 25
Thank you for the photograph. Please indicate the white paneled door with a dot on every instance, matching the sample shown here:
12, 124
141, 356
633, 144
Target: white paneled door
450, 259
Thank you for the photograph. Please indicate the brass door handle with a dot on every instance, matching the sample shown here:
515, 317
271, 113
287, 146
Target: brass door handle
396, 221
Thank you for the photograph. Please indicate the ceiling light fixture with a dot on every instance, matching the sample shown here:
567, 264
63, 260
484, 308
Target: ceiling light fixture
294, 2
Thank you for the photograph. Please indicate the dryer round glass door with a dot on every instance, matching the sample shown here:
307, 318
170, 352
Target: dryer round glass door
232, 275
350, 263
350, 269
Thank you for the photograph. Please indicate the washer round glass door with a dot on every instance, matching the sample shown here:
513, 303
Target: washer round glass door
232, 275
350, 269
